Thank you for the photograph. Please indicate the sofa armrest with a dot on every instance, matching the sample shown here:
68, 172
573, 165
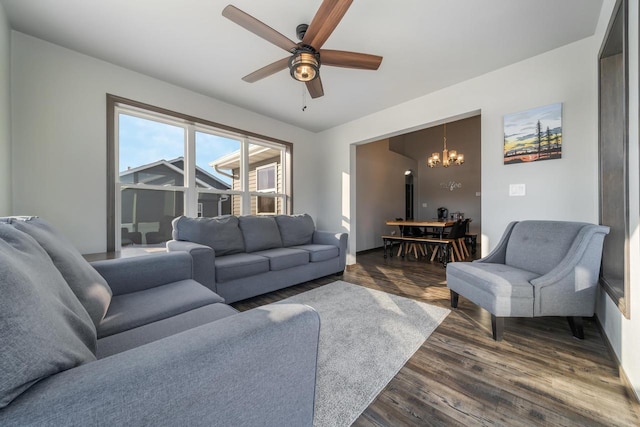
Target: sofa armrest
335, 239
253, 368
204, 270
126, 275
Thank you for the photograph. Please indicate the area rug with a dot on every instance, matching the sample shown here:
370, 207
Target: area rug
366, 337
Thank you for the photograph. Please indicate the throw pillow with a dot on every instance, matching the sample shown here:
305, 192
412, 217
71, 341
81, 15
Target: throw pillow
89, 286
220, 233
43, 327
295, 230
260, 233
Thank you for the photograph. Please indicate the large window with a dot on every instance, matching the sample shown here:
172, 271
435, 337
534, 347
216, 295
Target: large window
164, 164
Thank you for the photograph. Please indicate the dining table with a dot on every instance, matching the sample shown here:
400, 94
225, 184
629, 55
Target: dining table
434, 224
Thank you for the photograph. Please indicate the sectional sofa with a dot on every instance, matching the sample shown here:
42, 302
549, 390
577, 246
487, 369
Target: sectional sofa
138, 341
239, 257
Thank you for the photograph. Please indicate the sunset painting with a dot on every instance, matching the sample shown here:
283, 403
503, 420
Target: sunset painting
533, 135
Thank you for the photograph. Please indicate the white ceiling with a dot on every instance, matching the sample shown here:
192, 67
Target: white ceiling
426, 44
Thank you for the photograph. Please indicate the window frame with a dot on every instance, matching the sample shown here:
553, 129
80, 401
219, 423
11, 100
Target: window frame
117, 104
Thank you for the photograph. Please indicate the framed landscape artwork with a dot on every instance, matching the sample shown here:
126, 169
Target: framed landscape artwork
533, 135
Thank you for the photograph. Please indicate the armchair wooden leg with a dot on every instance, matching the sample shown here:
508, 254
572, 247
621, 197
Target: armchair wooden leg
454, 299
497, 327
575, 323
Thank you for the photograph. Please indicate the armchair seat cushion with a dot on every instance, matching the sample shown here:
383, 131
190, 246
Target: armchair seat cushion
283, 258
139, 308
237, 266
499, 288
319, 253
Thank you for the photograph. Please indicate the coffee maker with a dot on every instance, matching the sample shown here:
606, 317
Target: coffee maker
443, 214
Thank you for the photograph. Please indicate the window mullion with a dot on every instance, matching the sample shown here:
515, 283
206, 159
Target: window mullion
191, 191
244, 174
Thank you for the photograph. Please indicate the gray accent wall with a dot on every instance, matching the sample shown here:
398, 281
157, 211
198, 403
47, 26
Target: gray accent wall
5, 115
379, 191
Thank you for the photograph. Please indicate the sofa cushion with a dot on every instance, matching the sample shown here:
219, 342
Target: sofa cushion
295, 229
260, 233
220, 233
154, 331
283, 258
43, 327
319, 253
139, 308
548, 240
236, 266
85, 282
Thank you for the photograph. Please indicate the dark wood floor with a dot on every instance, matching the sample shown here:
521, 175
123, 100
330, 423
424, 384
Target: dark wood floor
539, 375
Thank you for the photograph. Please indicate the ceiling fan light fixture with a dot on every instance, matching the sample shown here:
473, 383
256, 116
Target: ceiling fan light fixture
304, 65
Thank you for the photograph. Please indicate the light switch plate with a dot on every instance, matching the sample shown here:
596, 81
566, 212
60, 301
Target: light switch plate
517, 190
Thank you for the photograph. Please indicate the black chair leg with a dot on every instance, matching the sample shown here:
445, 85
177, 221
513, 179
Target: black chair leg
454, 299
575, 323
497, 327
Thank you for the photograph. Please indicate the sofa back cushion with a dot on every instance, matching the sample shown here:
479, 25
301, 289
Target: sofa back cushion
295, 230
220, 233
260, 233
43, 327
538, 246
86, 283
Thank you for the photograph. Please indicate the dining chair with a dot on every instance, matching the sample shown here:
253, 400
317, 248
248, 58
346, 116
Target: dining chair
451, 237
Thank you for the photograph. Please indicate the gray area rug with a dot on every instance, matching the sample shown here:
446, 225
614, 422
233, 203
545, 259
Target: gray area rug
366, 337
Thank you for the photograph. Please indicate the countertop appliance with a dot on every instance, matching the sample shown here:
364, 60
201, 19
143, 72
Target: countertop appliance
443, 214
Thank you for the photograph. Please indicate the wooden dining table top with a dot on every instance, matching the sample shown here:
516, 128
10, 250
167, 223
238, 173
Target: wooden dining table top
428, 223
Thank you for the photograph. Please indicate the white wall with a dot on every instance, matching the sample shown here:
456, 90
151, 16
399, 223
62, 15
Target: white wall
623, 333
5, 116
59, 134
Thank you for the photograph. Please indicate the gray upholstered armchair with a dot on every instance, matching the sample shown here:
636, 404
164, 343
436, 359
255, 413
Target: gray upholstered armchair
539, 268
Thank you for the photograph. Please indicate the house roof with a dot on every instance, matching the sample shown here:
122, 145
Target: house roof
426, 46
203, 178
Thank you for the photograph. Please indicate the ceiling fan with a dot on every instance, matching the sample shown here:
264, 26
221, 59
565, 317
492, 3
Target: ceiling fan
307, 55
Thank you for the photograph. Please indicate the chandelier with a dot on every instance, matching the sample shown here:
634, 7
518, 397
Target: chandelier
448, 157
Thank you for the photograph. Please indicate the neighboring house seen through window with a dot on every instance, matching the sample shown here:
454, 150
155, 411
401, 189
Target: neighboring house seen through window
266, 183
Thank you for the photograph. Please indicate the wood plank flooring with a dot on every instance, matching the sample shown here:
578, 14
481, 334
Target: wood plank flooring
539, 375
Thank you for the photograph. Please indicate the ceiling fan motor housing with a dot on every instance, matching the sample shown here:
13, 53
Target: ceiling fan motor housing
301, 31
304, 64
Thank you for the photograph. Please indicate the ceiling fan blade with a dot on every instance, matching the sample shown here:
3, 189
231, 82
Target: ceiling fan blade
315, 88
341, 58
267, 70
325, 21
258, 28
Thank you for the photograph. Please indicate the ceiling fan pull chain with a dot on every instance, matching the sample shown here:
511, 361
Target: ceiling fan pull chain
304, 98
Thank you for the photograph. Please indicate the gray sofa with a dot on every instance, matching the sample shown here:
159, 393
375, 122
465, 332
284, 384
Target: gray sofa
137, 341
239, 257
539, 268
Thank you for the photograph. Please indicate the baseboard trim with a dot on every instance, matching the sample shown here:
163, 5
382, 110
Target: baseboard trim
366, 251
621, 373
